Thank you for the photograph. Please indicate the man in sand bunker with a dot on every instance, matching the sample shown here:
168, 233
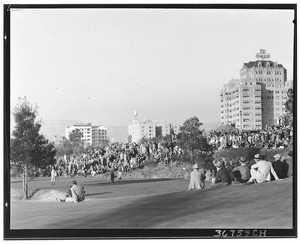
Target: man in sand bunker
77, 194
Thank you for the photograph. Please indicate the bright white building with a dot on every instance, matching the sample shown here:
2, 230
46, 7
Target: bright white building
150, 129
92, 135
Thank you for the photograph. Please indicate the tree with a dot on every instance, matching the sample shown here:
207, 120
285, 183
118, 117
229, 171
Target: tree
105, 142
75, 137
29, 149
65, 148
191, 139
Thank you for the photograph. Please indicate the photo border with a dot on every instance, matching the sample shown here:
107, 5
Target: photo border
57, 234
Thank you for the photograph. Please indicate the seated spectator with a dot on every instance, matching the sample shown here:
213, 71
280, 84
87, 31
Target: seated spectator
214, 168
261, 171
289, 161
77, 194
222, 177
281, 167
254, 161
241, 173
197, 179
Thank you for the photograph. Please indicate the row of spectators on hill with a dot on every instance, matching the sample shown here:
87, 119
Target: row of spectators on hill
123, 156
244, 172
271, 138
129, 156
258, 170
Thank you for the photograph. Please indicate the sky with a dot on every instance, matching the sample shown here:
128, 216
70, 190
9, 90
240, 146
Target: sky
100, 65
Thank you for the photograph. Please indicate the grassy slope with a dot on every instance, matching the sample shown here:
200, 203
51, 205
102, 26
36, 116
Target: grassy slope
159, 204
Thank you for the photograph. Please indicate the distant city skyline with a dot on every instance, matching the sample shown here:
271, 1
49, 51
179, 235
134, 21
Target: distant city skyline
100, 65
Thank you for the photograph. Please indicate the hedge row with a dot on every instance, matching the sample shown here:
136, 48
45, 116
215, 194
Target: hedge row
235, 154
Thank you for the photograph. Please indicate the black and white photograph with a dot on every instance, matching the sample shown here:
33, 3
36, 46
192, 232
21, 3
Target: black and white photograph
149, 121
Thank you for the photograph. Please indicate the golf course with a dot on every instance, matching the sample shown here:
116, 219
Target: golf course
151, 203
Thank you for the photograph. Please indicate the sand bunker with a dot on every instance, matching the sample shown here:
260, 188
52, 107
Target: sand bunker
47, 195
16, 194
37, 194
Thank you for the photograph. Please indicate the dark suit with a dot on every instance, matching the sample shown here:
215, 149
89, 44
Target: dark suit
289, 161
281, 169
222, 176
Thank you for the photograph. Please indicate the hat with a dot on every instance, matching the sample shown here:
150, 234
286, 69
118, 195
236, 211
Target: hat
218, 164
195, 166
256, 156
277, 156
74, 182
242, 160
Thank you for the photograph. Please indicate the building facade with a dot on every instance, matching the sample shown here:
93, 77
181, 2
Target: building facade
91, 135
150, 129
241, 105
257, 99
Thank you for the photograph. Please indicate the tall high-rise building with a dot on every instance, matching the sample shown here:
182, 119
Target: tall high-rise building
256, 99
91, 135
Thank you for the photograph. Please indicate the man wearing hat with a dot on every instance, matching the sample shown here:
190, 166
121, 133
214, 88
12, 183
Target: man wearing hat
261, 171
77, 194
222, 177
197, 178
241, 173
281, 167
254, 161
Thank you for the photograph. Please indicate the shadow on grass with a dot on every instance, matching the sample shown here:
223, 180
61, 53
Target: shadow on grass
100, 193
151, 211
126, 182
207, 208
33, 193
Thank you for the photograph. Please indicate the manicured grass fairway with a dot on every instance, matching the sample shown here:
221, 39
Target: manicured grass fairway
154, 203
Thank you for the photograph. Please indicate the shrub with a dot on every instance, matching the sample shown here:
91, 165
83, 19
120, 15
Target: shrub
150, 163
269, 154
202, 160
235, 154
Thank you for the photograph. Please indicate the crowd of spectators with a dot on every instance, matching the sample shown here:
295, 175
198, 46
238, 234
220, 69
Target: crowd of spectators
271, 138
257, 170
129, 156
120, 156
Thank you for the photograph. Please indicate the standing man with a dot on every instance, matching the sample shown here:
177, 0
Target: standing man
197, 179
120, 173
112, 174
53, 175
261, 171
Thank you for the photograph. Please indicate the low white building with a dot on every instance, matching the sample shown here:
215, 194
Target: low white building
150, 129
91, 135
